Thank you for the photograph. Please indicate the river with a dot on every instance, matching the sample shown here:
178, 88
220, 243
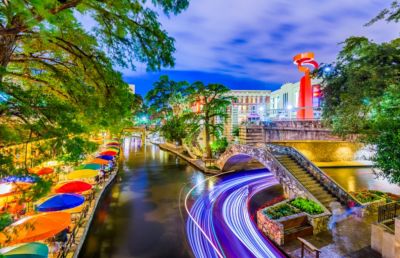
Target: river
143, 214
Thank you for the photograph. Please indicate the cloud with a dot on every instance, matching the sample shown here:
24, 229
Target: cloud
257, 39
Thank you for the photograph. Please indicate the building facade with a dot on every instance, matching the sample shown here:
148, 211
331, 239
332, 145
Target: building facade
259, 106
249, 105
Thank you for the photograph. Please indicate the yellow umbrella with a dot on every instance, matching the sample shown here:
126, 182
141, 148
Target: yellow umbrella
83, 173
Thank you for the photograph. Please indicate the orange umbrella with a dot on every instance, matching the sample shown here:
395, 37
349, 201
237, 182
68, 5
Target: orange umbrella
35, 228
99, 161
45, 171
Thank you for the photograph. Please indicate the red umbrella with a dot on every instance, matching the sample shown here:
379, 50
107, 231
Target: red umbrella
113, 144
44, 171
73, 187
109, 153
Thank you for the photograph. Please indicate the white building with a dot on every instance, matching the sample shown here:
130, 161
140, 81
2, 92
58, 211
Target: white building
132, 88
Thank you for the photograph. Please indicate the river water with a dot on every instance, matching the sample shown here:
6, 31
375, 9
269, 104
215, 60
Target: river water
143, 213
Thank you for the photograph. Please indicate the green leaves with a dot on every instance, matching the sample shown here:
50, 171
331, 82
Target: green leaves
60, 78
362, 96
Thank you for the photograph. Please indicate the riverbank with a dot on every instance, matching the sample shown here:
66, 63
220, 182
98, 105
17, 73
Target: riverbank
179, 151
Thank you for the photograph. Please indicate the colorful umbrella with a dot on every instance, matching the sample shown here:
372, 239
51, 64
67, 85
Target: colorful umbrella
109, 153
92, 166
23, 179
79, 167
7, 189
83, 173
105, 157
112, 144
44, 171
113, 148
99, 161
73, 187
35, 228
29, 250
61, 202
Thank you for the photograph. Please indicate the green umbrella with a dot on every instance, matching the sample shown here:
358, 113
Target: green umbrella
93, 166
27, 250
79, 167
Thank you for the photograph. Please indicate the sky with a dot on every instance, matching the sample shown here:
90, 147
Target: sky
249, 44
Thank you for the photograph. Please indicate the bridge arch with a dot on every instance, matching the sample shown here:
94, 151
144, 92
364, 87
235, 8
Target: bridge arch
244, 154
291, 186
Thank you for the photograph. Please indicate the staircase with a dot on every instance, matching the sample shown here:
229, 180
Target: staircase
307, 180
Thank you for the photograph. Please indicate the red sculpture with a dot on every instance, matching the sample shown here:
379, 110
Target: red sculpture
305, 110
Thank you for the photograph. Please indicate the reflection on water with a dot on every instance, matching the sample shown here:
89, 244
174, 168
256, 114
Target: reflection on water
353, 179
141, 214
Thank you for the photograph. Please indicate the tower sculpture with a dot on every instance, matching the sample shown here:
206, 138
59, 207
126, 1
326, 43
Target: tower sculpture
305, 104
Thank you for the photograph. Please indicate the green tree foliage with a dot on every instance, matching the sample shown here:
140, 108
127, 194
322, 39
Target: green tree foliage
362, 95
212, 115
167, 98
174, 129
57, 77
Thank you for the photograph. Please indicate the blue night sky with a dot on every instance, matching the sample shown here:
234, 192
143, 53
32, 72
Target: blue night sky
249, 44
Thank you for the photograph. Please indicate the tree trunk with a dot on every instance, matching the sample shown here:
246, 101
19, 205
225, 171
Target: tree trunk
7, 46
207, 139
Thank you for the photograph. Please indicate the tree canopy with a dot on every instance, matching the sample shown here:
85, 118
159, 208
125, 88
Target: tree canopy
362, 95
57, 75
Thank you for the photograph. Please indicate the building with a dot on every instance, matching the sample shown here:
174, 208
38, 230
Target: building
132, 88
259, 106
248, 106
285, 101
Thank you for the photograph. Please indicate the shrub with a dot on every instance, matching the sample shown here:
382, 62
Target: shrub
307, 206
280, 211
5, 220
368, 196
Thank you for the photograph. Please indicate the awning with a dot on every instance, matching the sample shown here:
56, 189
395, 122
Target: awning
61, 202
35, 228
29, 250
72, 187
82, 173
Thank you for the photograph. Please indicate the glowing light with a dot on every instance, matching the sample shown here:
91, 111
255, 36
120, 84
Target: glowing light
219, 223
289, 107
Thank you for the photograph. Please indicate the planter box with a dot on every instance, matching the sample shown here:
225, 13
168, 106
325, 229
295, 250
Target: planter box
290, 227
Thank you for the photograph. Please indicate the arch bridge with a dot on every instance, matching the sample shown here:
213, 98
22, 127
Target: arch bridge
298, 175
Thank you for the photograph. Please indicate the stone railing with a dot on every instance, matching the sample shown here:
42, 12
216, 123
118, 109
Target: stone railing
344, 196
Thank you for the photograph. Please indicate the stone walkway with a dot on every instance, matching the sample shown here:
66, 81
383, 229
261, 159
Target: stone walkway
350, 238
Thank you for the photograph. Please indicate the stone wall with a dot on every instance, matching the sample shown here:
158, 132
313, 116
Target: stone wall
270, 228
297, 130
325, 151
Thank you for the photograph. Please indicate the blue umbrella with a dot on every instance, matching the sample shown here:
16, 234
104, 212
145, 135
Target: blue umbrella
23, 179
106, 157
61, 202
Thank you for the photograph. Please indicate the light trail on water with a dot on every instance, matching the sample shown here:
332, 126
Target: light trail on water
219, 223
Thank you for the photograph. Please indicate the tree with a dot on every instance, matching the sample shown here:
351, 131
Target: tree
214, 102
55, 77
167, 98
362, 95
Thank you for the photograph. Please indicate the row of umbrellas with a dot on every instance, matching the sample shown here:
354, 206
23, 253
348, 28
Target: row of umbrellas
54, 211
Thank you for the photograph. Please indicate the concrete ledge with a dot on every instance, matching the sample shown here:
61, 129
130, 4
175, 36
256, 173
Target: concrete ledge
89, 221
197, 163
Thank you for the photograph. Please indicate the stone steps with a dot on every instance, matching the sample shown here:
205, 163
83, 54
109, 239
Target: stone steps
307, 180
